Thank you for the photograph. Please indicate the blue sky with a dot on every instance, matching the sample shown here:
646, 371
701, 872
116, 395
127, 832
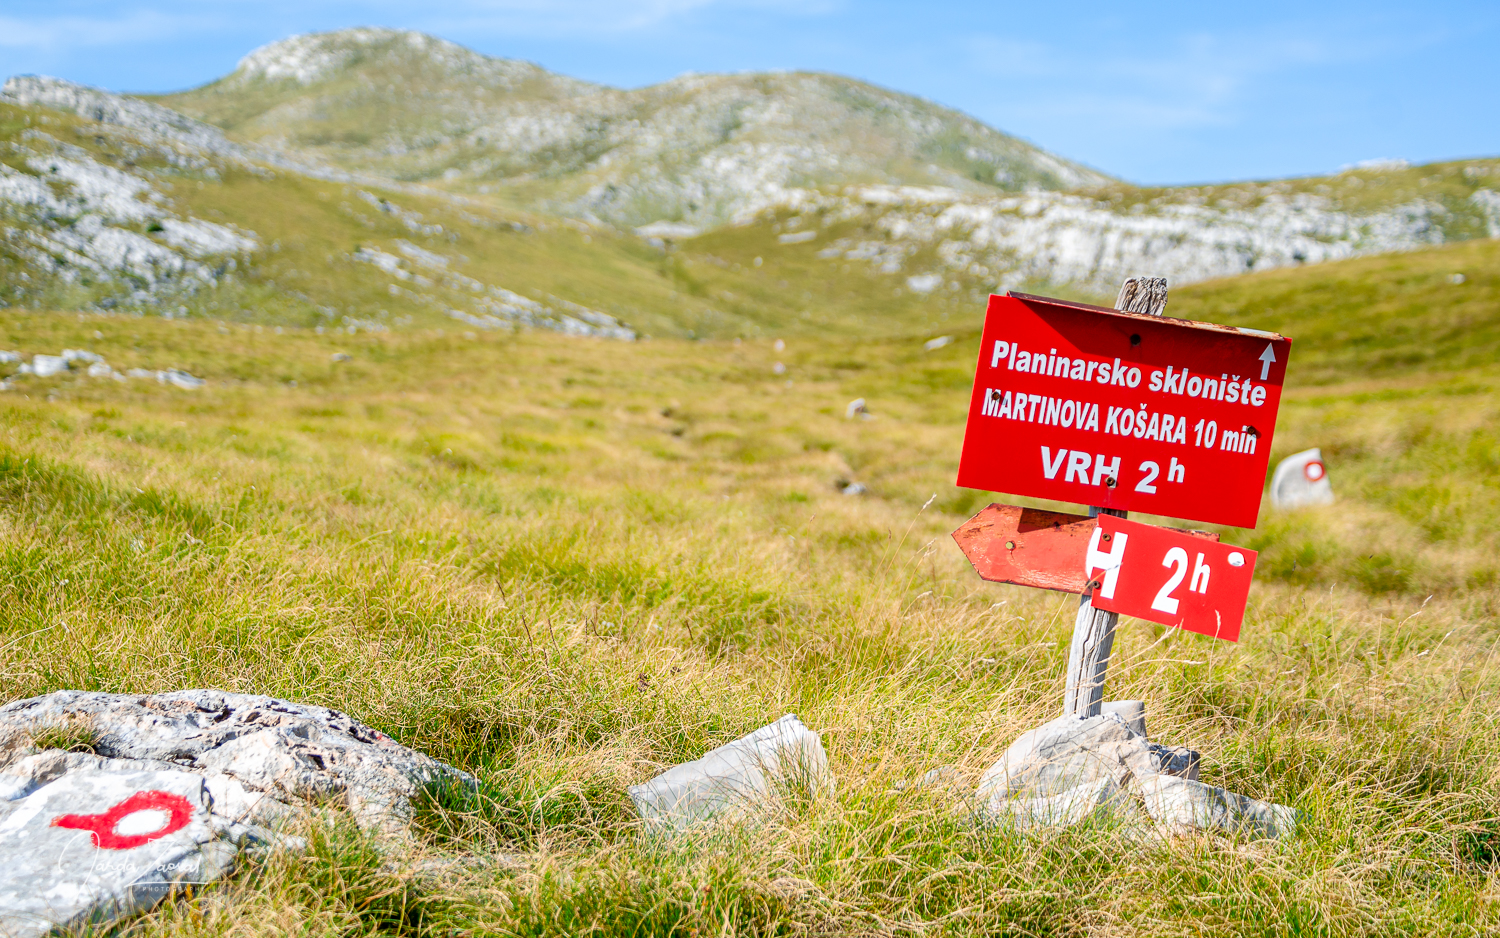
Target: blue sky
1155, 93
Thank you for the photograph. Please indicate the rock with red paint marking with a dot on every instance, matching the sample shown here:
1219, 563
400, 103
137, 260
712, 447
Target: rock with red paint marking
99, 844
263, 758
175, 785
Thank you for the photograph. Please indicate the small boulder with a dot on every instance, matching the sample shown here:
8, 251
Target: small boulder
294, 754
1301, 479
1175, 760
1073, 768
175, 785
1074, 806
1183, 804
99, 844
736, 778
1068, 752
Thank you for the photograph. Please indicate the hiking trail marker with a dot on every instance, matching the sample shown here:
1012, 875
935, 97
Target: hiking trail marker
1122, 410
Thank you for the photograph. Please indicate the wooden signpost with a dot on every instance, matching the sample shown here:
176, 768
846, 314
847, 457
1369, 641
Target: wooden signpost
1122, 410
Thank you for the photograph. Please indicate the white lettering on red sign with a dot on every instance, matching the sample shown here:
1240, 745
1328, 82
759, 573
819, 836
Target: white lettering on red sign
1169, 576
1155, 397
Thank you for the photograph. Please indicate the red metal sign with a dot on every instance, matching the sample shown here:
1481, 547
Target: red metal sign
1169, 577
1031, 547
1143, 413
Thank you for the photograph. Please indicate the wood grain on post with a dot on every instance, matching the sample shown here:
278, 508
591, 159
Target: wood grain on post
1094, 629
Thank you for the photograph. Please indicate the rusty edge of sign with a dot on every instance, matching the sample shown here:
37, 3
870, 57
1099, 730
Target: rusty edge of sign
1168, 320
1033, 546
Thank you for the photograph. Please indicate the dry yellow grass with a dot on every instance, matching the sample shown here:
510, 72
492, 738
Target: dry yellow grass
564, 564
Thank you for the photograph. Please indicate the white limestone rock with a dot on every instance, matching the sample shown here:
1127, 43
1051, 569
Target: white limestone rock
46, 366
1072, 769
1073, 806
95, 846
1182, 804
175, 786
1133, 712
1066, 753
265, 754
1300, 480
733, 780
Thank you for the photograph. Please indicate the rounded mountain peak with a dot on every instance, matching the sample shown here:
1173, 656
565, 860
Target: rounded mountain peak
309, 58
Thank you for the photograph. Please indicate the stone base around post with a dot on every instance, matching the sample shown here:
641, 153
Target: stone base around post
1074, 769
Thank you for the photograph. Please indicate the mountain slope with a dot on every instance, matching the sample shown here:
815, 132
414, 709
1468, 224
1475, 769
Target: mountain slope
150, 210
698, 149
139, 211
935, 198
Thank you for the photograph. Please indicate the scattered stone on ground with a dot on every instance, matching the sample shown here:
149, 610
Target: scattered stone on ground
1072, 806
1072, 768
1183, 804
737, 778
1300, 480
1133, 712
50, 366
168, 788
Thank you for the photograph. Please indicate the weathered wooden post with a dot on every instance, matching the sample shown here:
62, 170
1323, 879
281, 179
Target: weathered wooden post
1094, 629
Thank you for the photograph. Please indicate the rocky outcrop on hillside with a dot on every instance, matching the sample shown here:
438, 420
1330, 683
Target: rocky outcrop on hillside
1058, 238
104, 107
702, 150
699, 148
70, 218
100, 227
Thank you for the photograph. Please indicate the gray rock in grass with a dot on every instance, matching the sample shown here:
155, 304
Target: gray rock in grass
734, 780
1073, 806
1133, 712
1183, 804
175, 785
1072, 769
1066, 753
289, 753
96, 846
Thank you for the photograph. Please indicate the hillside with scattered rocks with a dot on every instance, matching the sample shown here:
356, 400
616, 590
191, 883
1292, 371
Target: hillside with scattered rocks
699, 149
376, 178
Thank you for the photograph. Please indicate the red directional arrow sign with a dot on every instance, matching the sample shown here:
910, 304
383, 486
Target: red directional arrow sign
1122, 410
1032, 547
1169, 577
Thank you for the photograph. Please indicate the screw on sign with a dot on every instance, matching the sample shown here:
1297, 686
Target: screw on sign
1123, 410
143, 817
1034, 547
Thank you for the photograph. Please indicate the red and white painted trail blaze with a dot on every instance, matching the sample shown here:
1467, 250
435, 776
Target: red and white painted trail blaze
1169, 576
1121, 410
170, 813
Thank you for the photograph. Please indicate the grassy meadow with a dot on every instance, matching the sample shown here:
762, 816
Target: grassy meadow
566, 564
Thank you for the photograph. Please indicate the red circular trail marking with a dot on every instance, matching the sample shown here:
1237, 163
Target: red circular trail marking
1314, 471
102, 826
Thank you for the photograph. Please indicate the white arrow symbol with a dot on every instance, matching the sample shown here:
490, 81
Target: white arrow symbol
1266, 358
